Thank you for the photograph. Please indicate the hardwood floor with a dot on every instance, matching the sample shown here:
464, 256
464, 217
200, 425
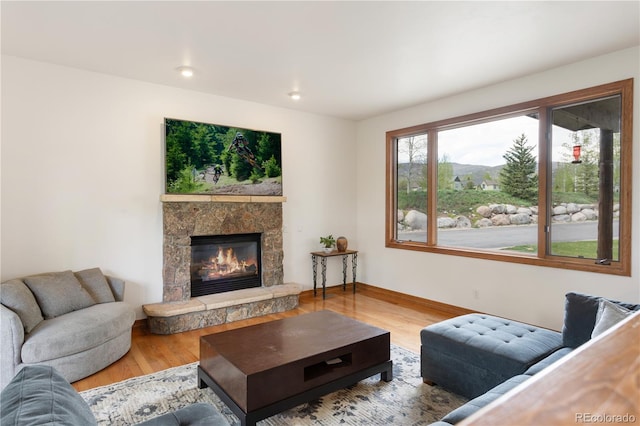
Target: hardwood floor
404, 316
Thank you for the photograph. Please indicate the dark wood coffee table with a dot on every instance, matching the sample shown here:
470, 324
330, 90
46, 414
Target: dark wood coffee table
263, 369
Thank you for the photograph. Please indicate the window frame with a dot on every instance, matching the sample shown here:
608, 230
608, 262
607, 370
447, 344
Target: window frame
543, 107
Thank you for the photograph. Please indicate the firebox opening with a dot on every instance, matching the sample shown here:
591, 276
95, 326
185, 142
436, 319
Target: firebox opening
221, 263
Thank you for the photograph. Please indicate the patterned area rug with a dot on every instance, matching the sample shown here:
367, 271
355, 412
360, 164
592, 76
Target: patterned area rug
403, 401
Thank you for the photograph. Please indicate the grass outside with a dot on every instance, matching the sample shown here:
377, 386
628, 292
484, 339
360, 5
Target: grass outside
584, 249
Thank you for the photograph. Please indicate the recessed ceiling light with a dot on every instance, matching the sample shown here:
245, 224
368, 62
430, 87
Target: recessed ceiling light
294, 95
186, 71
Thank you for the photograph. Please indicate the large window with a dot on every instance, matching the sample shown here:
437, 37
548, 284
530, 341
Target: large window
547, 182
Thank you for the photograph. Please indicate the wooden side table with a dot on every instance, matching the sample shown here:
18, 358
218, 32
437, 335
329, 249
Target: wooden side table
323, 263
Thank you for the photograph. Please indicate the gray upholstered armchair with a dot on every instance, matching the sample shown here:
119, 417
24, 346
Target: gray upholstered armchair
74, 322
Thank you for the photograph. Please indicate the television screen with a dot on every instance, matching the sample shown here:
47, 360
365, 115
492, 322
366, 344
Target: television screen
203, 158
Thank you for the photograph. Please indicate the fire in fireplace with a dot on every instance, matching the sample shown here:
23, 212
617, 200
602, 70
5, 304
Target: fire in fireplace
221, 263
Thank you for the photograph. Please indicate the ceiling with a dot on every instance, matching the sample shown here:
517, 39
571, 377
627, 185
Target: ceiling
352, 60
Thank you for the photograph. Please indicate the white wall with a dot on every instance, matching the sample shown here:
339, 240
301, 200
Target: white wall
528, 293
82, 173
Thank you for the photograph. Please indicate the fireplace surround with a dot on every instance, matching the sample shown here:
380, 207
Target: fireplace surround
187, 217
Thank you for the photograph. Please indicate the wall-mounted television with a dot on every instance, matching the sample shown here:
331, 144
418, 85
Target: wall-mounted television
202, 158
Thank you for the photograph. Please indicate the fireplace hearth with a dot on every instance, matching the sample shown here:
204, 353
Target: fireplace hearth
221, 263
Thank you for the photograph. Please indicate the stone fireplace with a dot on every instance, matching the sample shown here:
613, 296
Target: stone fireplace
183, 220
190, 217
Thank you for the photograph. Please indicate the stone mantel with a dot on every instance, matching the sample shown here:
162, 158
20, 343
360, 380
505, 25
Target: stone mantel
202, 198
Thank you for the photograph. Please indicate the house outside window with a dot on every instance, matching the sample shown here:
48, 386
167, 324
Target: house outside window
546, 182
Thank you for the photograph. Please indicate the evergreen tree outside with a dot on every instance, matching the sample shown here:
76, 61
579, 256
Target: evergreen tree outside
518, 177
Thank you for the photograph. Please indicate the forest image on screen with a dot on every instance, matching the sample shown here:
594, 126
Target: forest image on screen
203, 158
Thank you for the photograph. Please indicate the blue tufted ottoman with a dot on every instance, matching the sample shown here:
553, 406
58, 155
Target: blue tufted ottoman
473, 353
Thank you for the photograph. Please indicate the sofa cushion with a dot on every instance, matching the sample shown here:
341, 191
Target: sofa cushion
609, 314
94, 281
15, 295
544, 363
475, 404
77, 331
580, 317
58, 293
38, 395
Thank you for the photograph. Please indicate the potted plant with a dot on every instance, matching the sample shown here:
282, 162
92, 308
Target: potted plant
328, 243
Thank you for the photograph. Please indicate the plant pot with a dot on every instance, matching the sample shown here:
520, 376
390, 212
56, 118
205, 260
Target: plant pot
341, 244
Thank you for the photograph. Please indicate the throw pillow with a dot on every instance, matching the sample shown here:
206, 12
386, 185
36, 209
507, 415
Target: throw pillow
580, 317
609, 314
15, 295
94, 281
39, 395
58, 293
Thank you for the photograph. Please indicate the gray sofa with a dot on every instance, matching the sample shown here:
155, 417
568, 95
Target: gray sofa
482, 357
39, 395
75, 322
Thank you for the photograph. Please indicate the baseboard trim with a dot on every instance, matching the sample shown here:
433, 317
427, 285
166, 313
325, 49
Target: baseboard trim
396, 297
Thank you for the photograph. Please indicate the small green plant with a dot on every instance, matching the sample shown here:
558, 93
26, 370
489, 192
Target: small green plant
328, 241
255, 177
271, 168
